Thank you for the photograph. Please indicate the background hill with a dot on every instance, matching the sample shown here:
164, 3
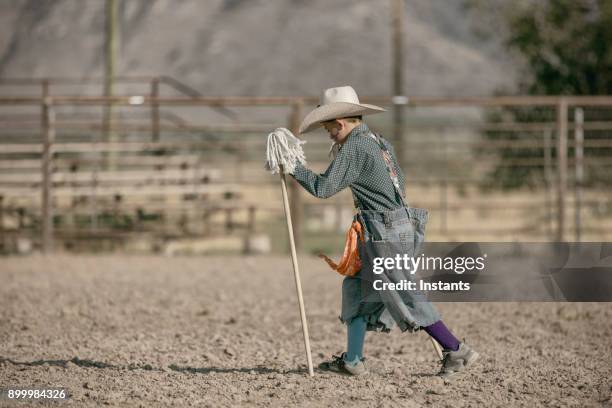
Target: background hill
257, 47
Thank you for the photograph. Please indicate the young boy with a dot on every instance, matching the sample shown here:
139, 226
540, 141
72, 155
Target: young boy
366, 163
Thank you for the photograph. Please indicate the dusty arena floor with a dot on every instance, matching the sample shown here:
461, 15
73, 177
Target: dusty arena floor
225, 331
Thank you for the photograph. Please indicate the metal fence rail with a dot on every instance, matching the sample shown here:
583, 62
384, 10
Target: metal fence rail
39, 145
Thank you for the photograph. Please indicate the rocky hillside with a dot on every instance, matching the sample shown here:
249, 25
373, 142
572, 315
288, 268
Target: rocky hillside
258, 47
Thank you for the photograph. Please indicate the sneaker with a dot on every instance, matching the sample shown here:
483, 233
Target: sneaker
455, 361
339, 365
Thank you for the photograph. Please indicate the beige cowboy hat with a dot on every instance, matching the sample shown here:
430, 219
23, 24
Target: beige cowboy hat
340, 102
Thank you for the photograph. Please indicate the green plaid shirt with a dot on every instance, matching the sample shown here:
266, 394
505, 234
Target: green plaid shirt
360, 166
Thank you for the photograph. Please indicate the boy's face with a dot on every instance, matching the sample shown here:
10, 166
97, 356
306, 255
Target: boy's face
338, 129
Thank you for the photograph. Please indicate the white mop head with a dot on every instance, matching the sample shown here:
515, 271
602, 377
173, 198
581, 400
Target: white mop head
284, 149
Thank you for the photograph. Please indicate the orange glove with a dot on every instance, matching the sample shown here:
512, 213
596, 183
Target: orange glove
350, 263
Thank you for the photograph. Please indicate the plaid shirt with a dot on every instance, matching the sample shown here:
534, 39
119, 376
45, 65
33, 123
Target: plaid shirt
360, 166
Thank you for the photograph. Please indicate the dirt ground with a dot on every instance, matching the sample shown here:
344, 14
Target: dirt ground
225, 331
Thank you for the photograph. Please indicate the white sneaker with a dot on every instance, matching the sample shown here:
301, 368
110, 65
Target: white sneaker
339, 365
456, 361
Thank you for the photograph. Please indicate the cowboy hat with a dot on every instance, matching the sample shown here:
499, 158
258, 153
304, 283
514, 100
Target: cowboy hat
340, 102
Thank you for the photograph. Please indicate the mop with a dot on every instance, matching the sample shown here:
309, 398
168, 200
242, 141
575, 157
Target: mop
284, 152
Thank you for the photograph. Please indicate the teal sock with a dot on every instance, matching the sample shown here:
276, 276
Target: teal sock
356, 331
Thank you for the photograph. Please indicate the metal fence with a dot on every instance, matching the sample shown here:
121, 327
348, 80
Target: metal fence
200, 156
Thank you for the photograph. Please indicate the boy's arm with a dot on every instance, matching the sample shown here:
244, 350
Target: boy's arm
342, 172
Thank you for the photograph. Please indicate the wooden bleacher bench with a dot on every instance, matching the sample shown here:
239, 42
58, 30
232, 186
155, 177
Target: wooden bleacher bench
194, 175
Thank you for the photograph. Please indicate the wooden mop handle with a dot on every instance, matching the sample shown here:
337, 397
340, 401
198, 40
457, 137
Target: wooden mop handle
437, 347
296, 271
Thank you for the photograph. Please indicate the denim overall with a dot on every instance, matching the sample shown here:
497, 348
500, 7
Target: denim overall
386, 233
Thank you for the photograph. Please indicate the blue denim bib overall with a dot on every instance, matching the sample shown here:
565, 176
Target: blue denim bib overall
401, 230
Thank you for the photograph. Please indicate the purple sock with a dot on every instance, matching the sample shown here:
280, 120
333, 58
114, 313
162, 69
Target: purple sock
443, 336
